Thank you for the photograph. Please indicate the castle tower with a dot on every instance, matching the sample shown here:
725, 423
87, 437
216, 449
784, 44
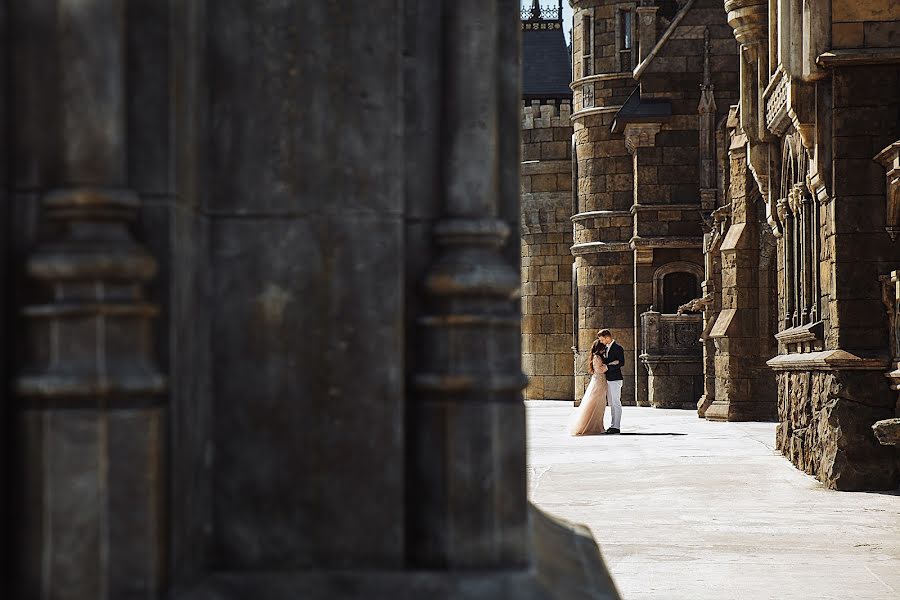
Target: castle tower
652, 81
546, 206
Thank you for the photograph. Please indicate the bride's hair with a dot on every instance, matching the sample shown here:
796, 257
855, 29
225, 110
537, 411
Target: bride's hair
596, 348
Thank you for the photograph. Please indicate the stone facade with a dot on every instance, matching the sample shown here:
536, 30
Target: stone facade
819, 100
651, 81
546, 230
268, 345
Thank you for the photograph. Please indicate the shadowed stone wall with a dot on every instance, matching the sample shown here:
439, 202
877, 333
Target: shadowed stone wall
261, 289
546, 251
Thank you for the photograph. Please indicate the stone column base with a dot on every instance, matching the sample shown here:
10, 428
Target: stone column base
724, 410
566, 565
703, 405
674, 381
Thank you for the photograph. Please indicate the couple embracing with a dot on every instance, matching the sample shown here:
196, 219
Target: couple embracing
607, 358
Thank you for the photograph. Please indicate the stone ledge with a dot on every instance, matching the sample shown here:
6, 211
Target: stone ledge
666, 242
887, 432
596, 214
599, 247
541, 167
802, 333
858, 56
683, 207
721, 327
598, 110
672, 358
826, 360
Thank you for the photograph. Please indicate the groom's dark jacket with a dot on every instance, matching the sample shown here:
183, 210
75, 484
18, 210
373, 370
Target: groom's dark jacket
614, 353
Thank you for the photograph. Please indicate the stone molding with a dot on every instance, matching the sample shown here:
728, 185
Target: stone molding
598, 78
541, 167
599, 248
665, 242
594, 214
826, 360
599, 110
636, 208
854, 57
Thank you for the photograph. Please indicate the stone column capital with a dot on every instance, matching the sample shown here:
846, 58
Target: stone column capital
641, 135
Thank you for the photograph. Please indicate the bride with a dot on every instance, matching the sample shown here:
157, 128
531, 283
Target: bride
588, 417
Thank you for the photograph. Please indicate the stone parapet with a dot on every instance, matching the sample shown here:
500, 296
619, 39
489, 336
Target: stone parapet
537, 115
672, 356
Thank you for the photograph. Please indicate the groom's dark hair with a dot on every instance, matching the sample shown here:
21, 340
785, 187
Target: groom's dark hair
604, 333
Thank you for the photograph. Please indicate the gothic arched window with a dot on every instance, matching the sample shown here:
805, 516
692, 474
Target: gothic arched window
801, 223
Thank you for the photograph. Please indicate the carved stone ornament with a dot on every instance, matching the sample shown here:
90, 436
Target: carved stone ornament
890, 160
749, 19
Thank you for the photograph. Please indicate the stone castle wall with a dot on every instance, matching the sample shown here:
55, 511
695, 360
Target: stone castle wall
546, 229
819, 102
640, 169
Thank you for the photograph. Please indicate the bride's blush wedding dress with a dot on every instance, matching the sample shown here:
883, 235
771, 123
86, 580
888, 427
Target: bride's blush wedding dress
588, 417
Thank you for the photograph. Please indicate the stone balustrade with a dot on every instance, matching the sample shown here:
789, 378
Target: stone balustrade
673, 356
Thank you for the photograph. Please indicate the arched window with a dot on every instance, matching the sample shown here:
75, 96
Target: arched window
675, 284
679, 288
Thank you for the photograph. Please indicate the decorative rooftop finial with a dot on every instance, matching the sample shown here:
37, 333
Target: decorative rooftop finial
542, 13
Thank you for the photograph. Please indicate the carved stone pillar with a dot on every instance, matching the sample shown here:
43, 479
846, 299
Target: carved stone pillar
468, 426
711, 302
707, 111
92, 421
646, 16
887, 431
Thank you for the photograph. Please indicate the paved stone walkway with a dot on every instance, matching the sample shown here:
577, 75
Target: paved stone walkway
687, 509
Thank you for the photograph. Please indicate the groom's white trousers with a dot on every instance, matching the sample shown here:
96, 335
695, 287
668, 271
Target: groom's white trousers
614, 399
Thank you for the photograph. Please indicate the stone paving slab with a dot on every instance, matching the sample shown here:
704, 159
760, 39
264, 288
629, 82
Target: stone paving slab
688, 509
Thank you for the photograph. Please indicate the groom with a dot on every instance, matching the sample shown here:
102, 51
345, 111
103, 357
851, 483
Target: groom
614, 358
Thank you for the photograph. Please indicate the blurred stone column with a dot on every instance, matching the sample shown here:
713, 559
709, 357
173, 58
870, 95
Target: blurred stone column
92, 421
468, 425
